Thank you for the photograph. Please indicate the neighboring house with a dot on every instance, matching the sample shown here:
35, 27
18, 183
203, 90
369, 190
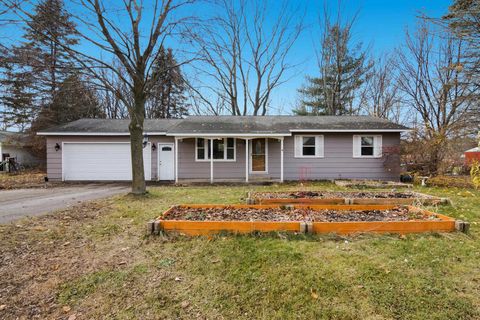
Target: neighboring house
472, 155
15, 145
229, 148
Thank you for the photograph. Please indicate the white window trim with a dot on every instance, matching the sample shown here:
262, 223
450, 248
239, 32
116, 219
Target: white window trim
250, 151
206, 141
375, 141
318, 154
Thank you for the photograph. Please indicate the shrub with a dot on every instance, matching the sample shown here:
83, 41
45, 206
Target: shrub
475, 174
450, 181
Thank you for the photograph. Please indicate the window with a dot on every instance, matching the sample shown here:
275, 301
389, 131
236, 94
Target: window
309, 146
367, 146
223, 149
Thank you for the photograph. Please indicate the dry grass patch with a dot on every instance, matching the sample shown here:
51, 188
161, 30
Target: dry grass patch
26, 179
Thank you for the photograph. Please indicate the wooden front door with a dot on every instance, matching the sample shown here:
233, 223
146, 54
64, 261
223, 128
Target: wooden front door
258, 155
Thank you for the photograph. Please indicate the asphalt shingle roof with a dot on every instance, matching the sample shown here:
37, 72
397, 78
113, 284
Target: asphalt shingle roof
13, 138
232, 125
111, 126
279, 124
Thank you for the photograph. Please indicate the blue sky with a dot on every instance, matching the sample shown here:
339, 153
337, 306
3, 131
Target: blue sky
380, 24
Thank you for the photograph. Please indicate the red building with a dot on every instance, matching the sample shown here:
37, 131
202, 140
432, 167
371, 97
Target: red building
472, 155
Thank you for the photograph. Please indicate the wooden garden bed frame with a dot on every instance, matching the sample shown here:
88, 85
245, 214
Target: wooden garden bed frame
419, 199
193, 228
376, 184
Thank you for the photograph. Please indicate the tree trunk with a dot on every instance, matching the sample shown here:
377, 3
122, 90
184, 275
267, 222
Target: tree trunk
136, 141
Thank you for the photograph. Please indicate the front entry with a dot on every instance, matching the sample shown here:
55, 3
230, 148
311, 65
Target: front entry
258, 155
166, 161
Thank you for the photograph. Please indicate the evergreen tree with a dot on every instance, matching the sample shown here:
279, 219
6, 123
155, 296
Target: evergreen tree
17, 99
33, 70
73, 100
48, 35
168, 98
343, 70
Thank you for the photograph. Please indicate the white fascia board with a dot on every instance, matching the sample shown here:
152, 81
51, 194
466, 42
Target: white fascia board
224, 135
96, 133
349, 130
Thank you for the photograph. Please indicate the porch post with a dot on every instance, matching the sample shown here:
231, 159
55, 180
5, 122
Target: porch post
246, 160
211, 160
176, 160
281, 160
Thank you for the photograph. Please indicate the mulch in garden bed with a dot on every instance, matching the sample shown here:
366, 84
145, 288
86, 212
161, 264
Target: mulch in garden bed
298, 214
338, 194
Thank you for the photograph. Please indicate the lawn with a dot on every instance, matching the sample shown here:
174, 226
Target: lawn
94, 261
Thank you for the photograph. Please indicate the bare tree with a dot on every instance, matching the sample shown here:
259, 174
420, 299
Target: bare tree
112, 104
246, 54
123, 33
437, 87
381, 95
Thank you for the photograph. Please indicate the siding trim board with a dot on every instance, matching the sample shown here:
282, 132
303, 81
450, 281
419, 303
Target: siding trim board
338, 161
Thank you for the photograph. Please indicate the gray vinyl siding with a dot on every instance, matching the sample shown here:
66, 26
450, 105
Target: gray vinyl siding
188, 168
338, 161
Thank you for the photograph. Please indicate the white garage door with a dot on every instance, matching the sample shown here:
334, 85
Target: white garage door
101, 161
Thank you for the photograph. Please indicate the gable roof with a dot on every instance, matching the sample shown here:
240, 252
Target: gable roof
231, 125
280, 124
13, 138
476, 149
109, 126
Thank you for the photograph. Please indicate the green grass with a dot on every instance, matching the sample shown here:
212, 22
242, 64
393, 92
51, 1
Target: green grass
274, 276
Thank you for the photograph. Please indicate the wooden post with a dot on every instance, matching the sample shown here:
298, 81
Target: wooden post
176, 160
246, 160
281, 160
211, 160
150, 227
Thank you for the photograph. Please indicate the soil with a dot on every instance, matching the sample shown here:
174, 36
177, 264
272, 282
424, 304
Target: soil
339, 194
273, 214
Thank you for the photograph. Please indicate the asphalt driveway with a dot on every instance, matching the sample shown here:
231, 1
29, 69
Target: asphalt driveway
16, 204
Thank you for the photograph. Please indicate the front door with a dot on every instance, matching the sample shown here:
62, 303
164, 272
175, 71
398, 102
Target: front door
258, 155
166, 161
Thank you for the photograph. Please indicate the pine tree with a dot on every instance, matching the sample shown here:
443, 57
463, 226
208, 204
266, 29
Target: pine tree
33, 70
17, 100
168, 98
73, 100
48, 35
343, 70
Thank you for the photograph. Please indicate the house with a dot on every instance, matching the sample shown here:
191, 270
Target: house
472, 155
15, 145
229, 148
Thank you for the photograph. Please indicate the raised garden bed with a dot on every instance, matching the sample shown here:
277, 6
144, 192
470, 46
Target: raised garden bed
342, 197
210, 219
371, 184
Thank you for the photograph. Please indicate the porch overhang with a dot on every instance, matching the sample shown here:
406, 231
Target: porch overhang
228, 135
242, 136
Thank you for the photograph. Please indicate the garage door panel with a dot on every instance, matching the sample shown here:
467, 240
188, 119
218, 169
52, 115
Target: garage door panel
101, 161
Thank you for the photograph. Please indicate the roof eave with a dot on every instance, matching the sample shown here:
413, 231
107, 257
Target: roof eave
95, 133
224, 134
349, 130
